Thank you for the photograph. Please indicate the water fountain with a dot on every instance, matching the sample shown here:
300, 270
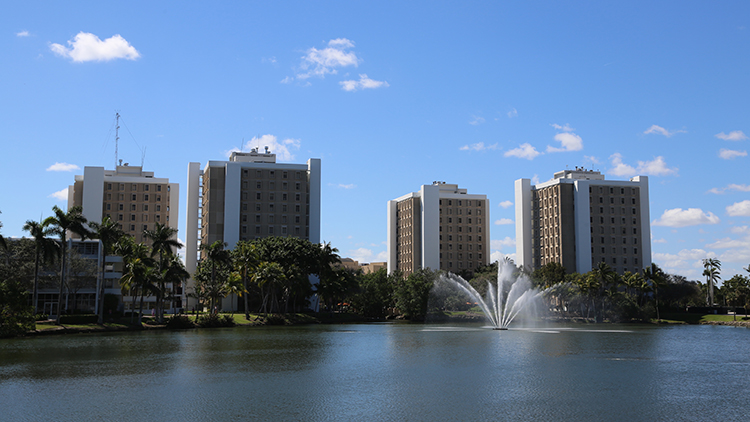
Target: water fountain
498, 309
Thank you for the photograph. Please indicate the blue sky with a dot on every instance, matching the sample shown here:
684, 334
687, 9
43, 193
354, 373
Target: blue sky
392, 96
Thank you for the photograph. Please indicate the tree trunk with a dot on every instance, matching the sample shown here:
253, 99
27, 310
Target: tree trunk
62, 281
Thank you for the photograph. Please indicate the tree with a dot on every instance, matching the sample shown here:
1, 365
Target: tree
374, 296
163, 243
549, 274
171, 272
140, 273
657, 279
269, 275
59, 224
109, 233
738, 292
413, 292
45, 250
216, 256
712, 269
245, 258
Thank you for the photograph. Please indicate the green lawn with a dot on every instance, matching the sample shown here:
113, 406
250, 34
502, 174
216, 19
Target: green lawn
699, 318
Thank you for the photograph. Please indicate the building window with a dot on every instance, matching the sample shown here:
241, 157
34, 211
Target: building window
257, 218
132, 217
133, 197
132, 227
134, 187
145, 207
145, 187
108, 205
270, 230
158, 188
257, 196
257, 229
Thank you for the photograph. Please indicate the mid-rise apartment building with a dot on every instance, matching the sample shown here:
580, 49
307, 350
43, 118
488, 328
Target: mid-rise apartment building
128, 195
248, 197
579, 219
133, 198
441, 227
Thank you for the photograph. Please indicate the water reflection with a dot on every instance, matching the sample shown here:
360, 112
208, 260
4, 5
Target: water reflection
380, 372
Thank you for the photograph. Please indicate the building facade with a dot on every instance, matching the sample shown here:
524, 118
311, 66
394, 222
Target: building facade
579, 219
137, 201
440, 227
248, 197
128, 195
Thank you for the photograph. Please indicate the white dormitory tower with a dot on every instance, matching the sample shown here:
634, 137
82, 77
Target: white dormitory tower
134, 199
440, 227
579, 219
251, 196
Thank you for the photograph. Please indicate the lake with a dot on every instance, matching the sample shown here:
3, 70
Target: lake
382, 372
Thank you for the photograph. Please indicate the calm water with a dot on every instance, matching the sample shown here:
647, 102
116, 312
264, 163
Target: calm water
382, 372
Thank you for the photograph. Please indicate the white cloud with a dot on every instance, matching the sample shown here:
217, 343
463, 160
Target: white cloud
327, 61
569, 141
739, 209
513, 113
565, 128
480, 146
659, 241
23, 34
503, 221
655, 167
686, 258
735, 135
282, 149
476, 120
62, 167
363, 83
661, 131
728, 154
287, 80
535, 180
731, 186
677, 217
503, 243
727, 243
506, 204
740, 230
61, 195
523, 151
591, 159
349, 186
87, 47
364, 255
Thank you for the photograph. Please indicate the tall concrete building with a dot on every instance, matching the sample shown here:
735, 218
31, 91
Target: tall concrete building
579, 219
440, 227
251, 196
133, 198
128, 195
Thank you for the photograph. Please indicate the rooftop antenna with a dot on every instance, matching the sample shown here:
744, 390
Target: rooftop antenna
117, 136
143, 156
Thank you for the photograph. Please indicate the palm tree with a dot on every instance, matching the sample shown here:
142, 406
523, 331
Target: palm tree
245, 257
270, 275
172, 271
163, 242
59, 224
712, 269
108, 232
44, 249
657, 279
139, 277
216, 255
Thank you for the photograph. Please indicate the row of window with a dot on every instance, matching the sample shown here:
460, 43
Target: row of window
612, 200
271, 230
612, 190
614, 251
460, 238
271, 219
144, 217
461, 202
613, 240
272, 174
134, 197
133, 207
459, 229
460, 246
271, 185
459, 211
271, 207
134, 187
612, 210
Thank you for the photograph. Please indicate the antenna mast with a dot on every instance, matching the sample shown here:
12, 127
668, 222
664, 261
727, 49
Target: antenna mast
117, 136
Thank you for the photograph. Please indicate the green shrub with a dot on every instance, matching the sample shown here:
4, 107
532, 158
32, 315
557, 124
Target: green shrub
275, 319
179, 322
41, 317
214, 320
